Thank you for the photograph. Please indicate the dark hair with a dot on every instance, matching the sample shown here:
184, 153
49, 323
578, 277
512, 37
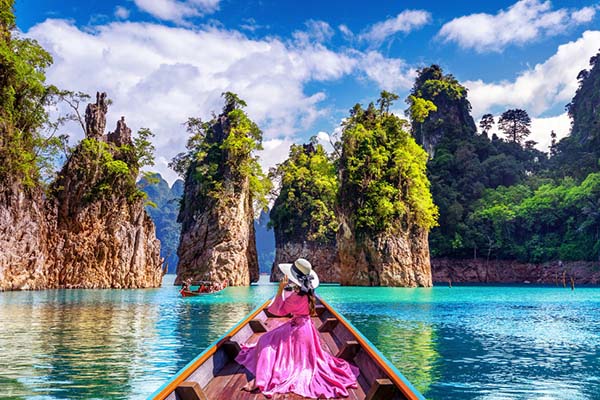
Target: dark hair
306, 289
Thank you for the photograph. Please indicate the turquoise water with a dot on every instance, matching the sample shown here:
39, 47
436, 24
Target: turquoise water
451, 343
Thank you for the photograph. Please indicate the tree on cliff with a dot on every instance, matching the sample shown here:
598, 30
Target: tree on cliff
304, 208
23, 97
462, 164
224, 189
224, 157
578, 154
515, 124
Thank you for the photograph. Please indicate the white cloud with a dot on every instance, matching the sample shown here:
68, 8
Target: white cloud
389, 73
405, 22
537, 89
275, 151
121, 12
316, 31
159, 76
177, 11
522, 22
346, 32
541, 128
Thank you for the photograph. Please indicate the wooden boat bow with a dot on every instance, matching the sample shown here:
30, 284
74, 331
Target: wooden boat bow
214, 374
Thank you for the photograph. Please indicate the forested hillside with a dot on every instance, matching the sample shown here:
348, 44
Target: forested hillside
499, 197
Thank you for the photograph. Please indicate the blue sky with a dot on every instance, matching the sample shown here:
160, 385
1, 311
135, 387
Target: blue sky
302, 65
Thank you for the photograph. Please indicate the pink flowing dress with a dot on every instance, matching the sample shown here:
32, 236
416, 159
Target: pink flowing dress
290, 357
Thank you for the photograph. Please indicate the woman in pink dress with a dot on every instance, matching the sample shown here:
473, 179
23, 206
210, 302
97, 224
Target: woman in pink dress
290, 359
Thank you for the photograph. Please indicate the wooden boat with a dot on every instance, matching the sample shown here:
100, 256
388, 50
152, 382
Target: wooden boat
214, 374
191, 293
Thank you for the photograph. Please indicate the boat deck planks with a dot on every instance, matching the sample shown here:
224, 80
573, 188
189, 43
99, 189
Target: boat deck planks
220, 377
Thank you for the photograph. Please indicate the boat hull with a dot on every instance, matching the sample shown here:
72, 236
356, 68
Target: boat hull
214, 374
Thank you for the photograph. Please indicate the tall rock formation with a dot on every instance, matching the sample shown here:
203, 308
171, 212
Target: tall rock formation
217, 239
23, 224
385, 208
303, 214
24, 232
104, 238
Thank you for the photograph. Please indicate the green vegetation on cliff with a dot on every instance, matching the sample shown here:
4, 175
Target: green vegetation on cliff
220, 155
304, 209
462, 163
383, 180
23, 97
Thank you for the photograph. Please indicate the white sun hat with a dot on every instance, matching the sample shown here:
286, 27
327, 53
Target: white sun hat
299, 269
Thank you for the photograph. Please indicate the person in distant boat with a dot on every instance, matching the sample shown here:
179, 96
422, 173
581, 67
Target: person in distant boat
290, 358
185, 285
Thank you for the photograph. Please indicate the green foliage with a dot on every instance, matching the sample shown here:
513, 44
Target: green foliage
420, 108
578, 154
383, 182
220, 156
463, 164
144, 149
304, 209
23, 95
104, 170
515, 124
553, 221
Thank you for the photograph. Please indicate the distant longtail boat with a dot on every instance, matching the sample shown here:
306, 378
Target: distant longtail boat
214, 374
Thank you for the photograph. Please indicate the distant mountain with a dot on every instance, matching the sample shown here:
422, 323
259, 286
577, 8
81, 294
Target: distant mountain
265, 243
164, 214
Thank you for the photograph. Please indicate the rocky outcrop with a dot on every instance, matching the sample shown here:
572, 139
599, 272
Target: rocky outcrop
323, 258
509, 271
217, 239
399, 258
91, 231
24, 256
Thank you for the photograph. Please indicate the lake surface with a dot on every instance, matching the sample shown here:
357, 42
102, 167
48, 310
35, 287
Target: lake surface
466, 342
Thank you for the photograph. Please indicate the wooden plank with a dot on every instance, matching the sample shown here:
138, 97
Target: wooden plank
348, 350
190, 391
257, 326
382, 389
319, 309
368, 368
214, 389
328, 325
232, 349
182, 375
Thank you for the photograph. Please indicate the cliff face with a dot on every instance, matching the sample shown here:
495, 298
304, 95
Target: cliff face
91, 231
217, 239
104, 238
510, 271
23, 239
400, 258
323, 258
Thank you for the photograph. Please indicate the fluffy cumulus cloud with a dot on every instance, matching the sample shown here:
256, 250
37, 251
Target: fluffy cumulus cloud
525, 21
546, 85
159, 76
389, 73
405, 22
177, 11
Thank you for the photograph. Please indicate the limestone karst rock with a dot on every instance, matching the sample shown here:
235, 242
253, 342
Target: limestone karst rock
104, 237
384, 204
24, 233
217, 239
91, 230
303, 216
